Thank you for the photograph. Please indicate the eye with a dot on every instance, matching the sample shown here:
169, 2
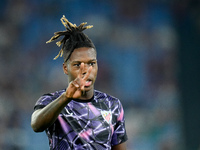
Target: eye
92, 63
77, 65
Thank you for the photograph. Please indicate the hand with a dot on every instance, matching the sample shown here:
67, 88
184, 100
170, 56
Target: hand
76, 87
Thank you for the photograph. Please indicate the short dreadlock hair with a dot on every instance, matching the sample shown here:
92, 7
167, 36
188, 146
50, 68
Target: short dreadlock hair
73, 38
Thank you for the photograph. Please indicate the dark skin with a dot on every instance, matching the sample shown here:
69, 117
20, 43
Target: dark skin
82, 70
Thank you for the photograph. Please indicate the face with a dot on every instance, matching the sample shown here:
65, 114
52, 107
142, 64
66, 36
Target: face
82, 55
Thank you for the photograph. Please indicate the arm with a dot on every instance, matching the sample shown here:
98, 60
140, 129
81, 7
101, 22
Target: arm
45, 117
119, 136
121, 146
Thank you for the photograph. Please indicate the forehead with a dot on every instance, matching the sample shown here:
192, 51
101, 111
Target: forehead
83, 53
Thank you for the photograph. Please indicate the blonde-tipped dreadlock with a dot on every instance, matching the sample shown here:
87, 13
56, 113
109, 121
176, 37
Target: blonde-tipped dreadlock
73, 38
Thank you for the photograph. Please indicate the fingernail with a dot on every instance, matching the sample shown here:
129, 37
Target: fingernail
76, 85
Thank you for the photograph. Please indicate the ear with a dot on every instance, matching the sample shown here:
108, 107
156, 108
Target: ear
65, 70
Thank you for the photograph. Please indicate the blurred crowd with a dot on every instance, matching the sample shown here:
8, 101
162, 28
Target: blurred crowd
137, 47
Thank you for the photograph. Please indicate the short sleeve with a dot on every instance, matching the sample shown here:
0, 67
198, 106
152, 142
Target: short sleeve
119, 135
46, 99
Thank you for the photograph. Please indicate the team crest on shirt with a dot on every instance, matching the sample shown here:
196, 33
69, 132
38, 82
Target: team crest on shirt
107, 115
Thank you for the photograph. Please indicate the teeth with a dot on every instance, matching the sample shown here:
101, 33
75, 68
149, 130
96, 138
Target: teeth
88, 83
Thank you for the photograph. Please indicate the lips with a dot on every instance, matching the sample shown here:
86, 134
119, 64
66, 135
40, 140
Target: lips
88, 83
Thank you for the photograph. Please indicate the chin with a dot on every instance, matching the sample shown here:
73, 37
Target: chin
89, 88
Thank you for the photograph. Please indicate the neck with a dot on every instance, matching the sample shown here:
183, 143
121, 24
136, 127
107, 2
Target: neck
87, 94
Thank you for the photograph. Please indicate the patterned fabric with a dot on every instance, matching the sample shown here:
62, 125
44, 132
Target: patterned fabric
95, 124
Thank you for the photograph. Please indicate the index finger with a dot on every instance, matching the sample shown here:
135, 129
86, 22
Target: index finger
88, 73
86, 77
81, 70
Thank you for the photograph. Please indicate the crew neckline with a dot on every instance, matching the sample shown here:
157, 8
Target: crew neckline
84, 101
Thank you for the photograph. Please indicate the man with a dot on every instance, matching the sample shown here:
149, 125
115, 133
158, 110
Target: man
79, 117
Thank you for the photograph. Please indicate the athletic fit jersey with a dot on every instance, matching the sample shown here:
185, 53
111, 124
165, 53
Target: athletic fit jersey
94, 124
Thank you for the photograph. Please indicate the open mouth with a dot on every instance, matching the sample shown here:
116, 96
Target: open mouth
88, 83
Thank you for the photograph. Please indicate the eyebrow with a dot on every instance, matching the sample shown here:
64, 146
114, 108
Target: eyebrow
81, 61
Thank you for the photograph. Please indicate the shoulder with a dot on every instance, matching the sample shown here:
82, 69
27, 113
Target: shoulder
45, 99
51, 96
101, 95
104, 97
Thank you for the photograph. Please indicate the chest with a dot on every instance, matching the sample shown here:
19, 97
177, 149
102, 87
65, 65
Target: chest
89, 121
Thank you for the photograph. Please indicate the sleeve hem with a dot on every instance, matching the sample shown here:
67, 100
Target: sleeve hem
122, 141
39, 107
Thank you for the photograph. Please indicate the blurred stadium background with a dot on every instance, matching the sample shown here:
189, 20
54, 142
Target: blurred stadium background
148, 54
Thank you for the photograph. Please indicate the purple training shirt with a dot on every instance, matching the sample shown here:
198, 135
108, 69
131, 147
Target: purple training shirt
94, 124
